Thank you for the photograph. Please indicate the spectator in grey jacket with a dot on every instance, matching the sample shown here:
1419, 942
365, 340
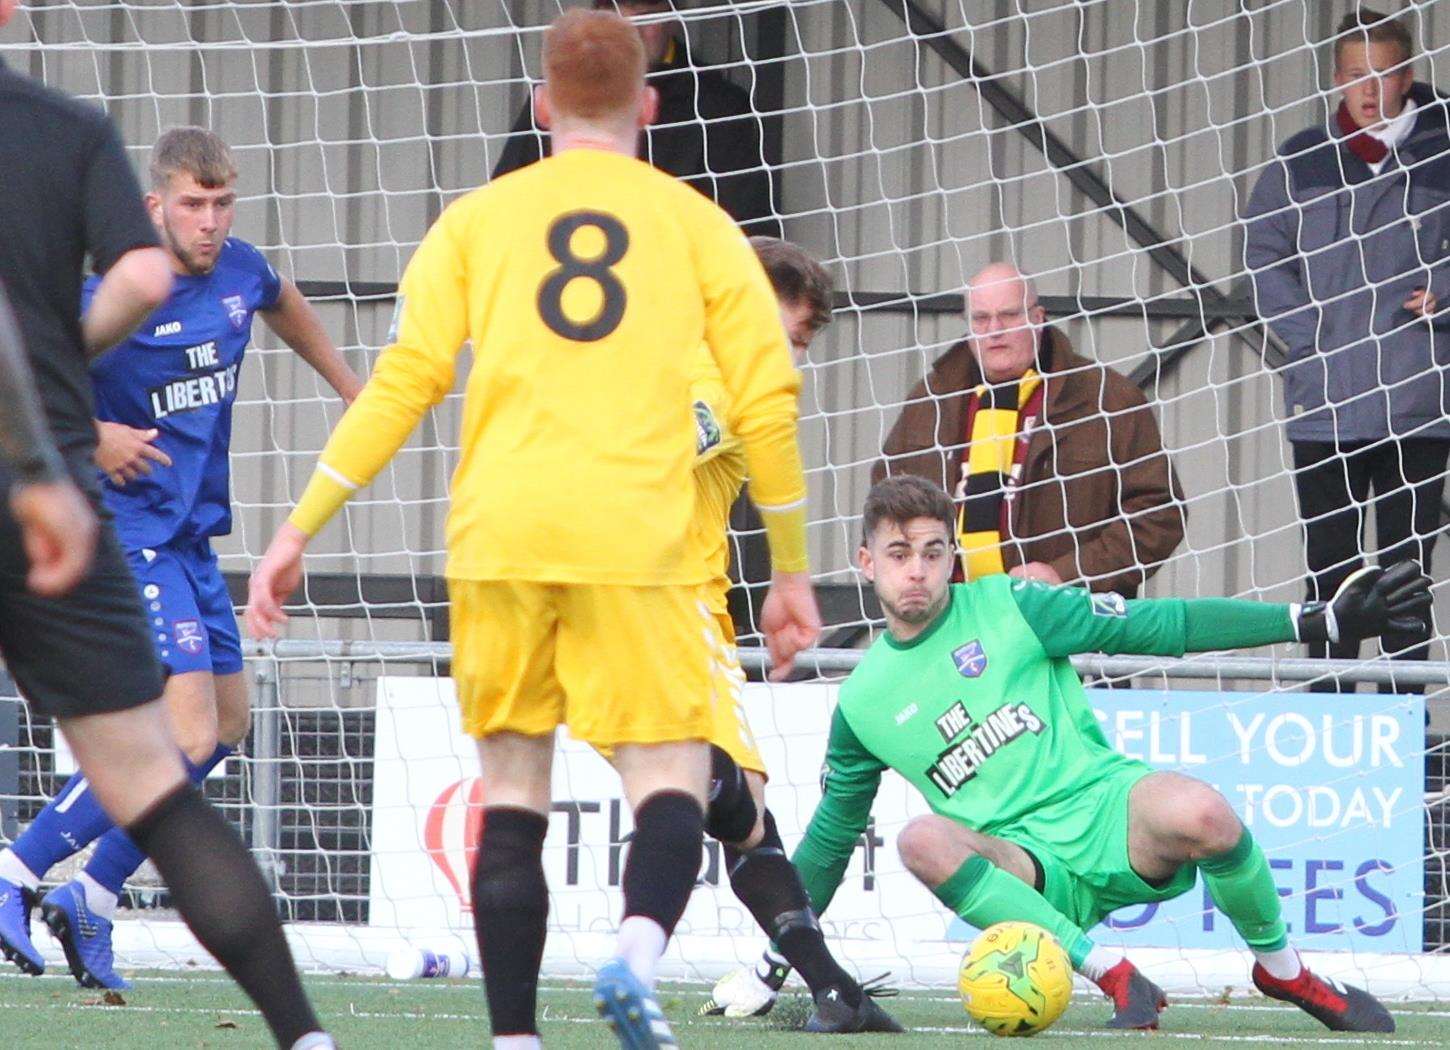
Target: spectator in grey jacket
1348, 242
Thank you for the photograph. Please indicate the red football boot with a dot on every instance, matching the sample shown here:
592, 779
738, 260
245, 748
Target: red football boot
1340, 1007
1137, 1001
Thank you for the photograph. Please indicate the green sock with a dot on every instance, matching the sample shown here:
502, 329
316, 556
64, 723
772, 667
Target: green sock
984, 895
1242, 886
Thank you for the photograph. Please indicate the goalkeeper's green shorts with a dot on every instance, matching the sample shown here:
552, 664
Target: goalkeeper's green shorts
1082, 844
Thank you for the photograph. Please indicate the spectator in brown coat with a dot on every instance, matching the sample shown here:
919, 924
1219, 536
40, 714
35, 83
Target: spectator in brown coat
1056, 462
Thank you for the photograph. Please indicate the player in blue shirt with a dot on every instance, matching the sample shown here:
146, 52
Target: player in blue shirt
164, 420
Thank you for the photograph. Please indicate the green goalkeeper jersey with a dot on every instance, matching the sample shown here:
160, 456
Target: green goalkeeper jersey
983, 713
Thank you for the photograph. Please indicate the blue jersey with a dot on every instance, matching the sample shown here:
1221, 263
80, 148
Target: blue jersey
178, 374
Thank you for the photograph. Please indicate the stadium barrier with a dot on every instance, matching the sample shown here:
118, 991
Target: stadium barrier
365, 818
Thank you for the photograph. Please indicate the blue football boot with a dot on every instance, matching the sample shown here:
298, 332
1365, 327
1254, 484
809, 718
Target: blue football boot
84, 935
15, 943
630, 1009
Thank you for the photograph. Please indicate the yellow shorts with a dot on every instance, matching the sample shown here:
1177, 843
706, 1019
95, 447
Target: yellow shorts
730, 730
615, 664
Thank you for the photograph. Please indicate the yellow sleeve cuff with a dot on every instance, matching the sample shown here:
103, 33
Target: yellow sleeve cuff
324, 496
785, 527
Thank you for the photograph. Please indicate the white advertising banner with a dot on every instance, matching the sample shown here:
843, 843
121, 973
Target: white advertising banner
427, 811
1351, 885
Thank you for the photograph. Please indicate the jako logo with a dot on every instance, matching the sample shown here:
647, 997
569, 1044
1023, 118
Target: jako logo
169, 328
451, 834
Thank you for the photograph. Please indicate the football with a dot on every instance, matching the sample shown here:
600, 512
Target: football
1015, 979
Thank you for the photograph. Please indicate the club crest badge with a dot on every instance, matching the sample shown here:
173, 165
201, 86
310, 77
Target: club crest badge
236, 310
970, 659
189, 637
707, 429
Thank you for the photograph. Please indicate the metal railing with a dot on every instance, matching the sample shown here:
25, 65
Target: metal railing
276, 765
269, 658
1379, 671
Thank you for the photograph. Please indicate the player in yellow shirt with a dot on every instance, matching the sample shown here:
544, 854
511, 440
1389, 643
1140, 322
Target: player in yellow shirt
584, 284
761, 874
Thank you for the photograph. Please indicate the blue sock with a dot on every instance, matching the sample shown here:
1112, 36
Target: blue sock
116, 857
68, 823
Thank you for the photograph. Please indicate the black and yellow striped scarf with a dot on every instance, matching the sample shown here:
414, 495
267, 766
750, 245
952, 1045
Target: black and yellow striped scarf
996, 429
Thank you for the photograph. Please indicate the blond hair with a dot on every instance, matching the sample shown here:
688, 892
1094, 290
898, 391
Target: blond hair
197, 152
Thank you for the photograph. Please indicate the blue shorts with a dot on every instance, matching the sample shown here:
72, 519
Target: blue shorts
187, 607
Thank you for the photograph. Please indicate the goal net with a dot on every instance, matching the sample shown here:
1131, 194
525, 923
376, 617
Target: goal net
1106, 148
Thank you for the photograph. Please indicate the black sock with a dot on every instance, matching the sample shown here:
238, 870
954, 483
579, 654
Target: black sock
768, 884
510, 915
220, 893
664, 857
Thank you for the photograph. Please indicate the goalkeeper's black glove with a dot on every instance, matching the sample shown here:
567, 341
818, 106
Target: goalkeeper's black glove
1372, 601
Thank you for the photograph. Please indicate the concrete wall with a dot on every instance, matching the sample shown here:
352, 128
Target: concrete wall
355, 123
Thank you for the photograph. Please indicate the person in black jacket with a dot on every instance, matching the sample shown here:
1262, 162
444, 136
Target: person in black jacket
706, 132
57, 527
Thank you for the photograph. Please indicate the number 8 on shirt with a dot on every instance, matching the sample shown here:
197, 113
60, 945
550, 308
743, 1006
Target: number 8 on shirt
577, 595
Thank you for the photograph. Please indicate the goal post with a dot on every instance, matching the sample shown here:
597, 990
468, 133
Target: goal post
1108, 149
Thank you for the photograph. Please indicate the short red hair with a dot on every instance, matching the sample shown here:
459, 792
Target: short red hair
594, 64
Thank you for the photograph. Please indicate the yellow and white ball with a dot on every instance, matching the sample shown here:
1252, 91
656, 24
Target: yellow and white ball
1015, 979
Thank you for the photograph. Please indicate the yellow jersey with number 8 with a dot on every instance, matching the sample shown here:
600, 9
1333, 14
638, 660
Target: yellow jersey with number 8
586, 284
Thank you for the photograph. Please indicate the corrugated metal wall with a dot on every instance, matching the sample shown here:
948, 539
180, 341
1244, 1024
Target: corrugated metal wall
355, 122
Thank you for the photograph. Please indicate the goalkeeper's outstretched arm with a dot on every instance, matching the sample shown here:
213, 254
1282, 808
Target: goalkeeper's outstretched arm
849, 782
1069, 620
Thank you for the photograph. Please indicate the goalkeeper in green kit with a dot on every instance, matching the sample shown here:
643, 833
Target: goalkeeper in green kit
1035, 818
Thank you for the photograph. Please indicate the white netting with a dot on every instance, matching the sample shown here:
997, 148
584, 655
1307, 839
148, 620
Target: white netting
907, 144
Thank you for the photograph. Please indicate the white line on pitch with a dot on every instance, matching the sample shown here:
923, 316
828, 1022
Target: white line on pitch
1200, 1003
469, 987
414, 1015
1061, 1033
